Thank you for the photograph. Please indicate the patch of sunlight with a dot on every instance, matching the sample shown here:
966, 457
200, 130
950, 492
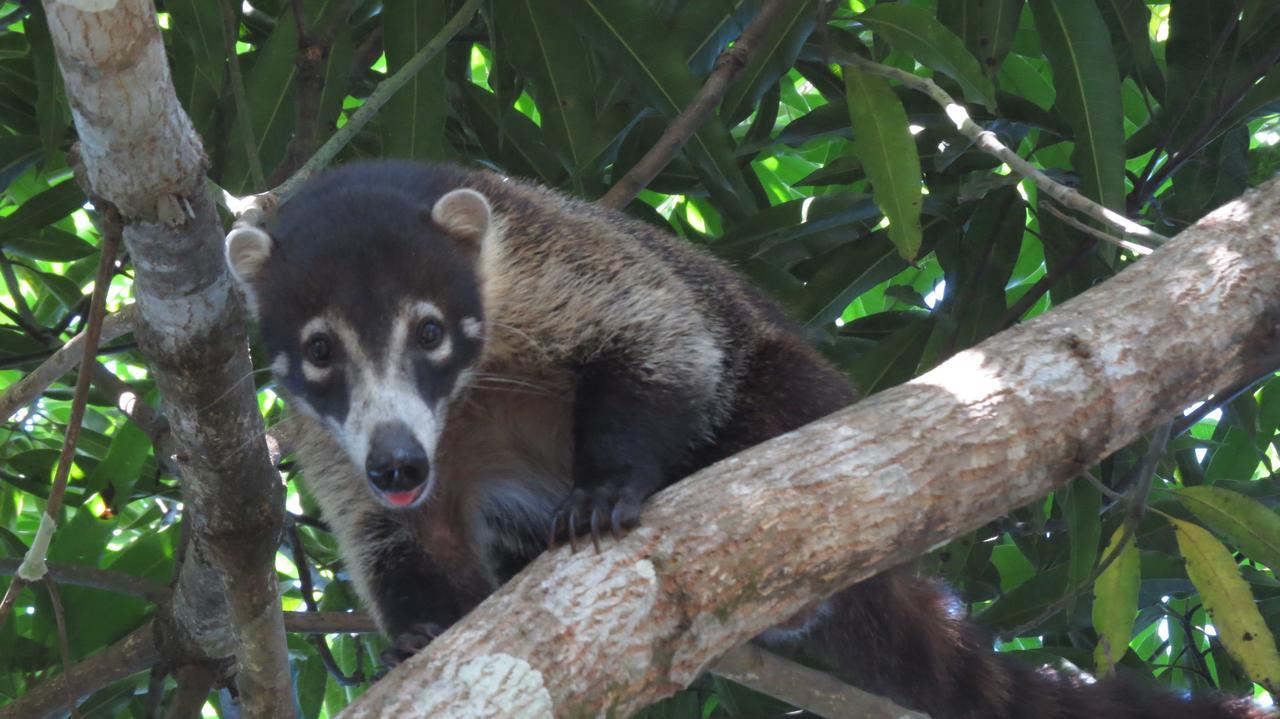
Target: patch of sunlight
915, 129
1268, 136
480, 67
936, 294
770, 162
883, 224
242, 47
380, 65
693, 216
162, 18
1159, 25
293, 503
285, 566
804, 209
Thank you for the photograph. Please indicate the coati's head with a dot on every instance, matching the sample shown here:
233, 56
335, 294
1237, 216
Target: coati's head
368, 301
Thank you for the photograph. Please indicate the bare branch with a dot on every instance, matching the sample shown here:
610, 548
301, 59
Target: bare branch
95, 578
677, 134
379, 97
132, 654
804, 688
33, 564
988, 143
1007, 420
29, 388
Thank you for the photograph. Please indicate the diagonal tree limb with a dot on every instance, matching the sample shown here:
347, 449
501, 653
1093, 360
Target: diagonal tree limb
1007, 421
677, 134
28, 389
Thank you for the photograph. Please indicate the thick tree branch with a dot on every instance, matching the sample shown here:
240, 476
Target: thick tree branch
140, 153
677, 134
732, 550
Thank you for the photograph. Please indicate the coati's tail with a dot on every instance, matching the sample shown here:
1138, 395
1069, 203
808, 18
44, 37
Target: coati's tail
897, 636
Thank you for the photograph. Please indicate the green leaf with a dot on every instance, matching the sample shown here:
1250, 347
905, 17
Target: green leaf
17, 152
979, 264
987, 27
893, 360
50, 244
1115, 602
703, 28
509, 137
51, 105
43, 209
627, 33
847, 273
412, 122
914, 32
1249, 525
119, 468
1082, 508
198, 57
1229, 603
1076, 41
774, 56
888, 153
1128, 20
541, 43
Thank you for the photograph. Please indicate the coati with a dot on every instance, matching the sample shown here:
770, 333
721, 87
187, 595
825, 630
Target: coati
482, 367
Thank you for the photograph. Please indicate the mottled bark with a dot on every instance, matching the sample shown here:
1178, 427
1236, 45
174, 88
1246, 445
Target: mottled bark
138, 151
730, 551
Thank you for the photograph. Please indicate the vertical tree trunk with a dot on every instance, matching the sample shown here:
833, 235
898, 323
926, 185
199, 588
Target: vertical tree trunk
138, 152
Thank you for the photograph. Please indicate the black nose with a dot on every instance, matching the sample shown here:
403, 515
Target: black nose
396, 461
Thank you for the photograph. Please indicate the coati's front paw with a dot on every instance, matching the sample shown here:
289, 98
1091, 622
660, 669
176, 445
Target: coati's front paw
406, 644
588, 511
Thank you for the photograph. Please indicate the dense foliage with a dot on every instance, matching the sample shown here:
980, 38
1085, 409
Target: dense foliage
1161, 110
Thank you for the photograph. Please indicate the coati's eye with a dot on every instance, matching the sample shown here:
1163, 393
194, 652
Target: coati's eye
318, 350
430, 333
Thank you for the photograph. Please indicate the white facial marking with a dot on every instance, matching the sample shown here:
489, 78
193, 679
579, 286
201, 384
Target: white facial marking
280, 365
472, 328
423, 310
381, 392
310, 371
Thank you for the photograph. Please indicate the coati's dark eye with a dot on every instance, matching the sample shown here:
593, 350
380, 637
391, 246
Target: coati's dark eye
430, 333
318, 350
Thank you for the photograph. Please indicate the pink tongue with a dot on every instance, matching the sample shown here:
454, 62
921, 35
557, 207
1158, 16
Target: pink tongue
401, 499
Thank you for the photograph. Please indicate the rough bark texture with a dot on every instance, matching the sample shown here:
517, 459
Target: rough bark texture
140, 153
730, 551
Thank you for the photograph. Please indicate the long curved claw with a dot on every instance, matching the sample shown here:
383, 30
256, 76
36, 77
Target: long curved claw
595, 529
573, 529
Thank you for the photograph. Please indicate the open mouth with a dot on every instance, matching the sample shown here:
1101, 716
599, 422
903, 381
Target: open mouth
405, 498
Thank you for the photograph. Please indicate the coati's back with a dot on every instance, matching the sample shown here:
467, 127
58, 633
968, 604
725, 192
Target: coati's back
481, 365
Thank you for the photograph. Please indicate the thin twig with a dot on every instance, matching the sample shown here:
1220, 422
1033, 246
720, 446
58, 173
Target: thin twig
804, 688
29, 388
1094, 232
33, 565
308, 598
231, 33
989, 143
379, 97
64, 647
1139, 483
683, 127
104, 579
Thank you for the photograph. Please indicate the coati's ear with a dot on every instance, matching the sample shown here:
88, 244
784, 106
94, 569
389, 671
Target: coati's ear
248, 249
463, 213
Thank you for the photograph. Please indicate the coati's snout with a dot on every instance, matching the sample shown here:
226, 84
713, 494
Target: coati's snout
397, 465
